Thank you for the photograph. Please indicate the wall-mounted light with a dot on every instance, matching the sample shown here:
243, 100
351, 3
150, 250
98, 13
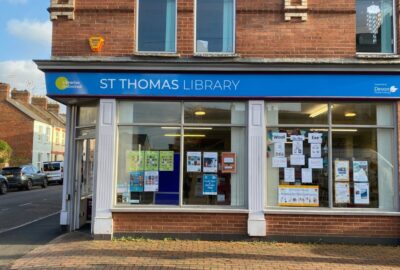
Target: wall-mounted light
96, 43
186, 135
350, 114
199, 113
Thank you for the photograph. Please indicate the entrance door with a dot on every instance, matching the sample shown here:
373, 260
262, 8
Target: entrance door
84, 181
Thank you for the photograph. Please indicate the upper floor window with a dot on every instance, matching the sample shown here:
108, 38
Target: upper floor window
375, 26
157, 26
215, 26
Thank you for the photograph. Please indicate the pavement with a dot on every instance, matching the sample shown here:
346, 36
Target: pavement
77, 250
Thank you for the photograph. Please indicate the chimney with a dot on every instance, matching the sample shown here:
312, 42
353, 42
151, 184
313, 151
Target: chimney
54, 108
40, 102
21, 96
4, 91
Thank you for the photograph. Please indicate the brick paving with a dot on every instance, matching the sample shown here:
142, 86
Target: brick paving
77, 251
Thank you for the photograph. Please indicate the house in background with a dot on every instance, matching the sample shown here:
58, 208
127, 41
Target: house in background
30, 127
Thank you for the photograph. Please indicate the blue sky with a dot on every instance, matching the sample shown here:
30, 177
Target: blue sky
25, 29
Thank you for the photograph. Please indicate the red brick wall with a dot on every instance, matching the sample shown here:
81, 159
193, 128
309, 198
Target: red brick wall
260, 29
180, 223
355, 226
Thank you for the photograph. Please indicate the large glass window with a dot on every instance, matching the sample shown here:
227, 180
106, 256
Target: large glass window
345, 160
375, 26
215, 26
155, 140
157, 26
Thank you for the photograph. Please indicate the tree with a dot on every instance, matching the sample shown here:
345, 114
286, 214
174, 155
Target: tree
5, 152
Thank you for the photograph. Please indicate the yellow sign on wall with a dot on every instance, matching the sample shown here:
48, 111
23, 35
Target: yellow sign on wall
96, 43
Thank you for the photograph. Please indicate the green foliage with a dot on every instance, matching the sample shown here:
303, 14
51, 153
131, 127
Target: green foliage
5, 152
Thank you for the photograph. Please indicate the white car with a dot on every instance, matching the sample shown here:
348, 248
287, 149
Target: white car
54, 171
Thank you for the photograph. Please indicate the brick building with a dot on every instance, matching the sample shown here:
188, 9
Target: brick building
274, 119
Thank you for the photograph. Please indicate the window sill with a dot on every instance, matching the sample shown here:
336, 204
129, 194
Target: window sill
216, 55
158, 54
330, 212
377, 56
177, 209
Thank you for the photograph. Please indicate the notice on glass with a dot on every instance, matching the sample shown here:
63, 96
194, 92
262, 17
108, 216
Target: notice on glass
122, 188
151, 160
342, 193
134, 161
136, 182
297, 147
342, 170
315, 149
278, 137
210, 184
289, 175
193, 161
361, 193
166, 161
360, 171
315, 138
228, 162
279, 162
315, 163
306, 176
298, 196
297, 138
151, 181
297, 160
210, 162
279, 149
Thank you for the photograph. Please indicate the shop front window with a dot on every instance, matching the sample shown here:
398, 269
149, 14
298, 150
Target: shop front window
345, 161
196, 147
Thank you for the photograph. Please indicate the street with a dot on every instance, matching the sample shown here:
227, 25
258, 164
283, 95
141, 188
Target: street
28, 219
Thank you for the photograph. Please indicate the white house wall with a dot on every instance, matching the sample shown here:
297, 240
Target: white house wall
40, 143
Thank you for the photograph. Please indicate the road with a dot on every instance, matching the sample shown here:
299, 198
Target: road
28, 219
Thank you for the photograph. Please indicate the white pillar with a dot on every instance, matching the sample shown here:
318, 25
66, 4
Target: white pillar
256, 224
104, 172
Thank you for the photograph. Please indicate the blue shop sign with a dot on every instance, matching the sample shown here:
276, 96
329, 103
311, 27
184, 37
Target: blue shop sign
210, 184
222, 85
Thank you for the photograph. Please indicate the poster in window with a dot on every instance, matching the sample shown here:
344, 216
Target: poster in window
166, 161
315, 149
361, 193
297, 160
360, 171
279, 162
306, 176
279, 149
315, 163
136, 181
342, 170
228, 162
297, 147
193, 161
289, 175
134, 161
298, 196
151, 181
297, 137
210, 162
342, 192
151, 160
279, 137
315, 138
210, 184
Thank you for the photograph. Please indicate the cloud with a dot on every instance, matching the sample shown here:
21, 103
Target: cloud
31, 30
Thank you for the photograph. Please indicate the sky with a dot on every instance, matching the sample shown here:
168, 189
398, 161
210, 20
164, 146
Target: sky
25, 34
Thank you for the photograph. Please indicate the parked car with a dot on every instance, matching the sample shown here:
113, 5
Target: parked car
25, 176
54, 171
3, 184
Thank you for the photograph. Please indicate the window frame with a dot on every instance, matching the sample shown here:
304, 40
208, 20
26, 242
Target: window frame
330, 126
137, 32
195, 52
394, 25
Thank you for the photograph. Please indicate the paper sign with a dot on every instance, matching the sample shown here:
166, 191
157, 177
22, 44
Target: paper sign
361, 193
166, 161
306, 175
315, 163
315, 149
279, 149
210, 162
151, 181
279, 162
289, 175
193, 161
134, 161
228, 162
278, 137
298, 196
342, 170
210, 184
151, 160
122, 188
297, 160
136, 182
360, 171
297, 148
342, 193
315, 138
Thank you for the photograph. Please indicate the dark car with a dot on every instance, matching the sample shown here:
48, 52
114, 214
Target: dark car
25, 176
3, 185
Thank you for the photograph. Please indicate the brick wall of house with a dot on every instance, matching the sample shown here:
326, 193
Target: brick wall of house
354, 226
261, 30
180, 223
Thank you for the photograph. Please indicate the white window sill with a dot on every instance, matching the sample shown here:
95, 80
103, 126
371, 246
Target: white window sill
330, 211
377, 56
177, 209
157, 54
216, 55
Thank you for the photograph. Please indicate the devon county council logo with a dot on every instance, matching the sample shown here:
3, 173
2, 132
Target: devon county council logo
393, 89
62, 83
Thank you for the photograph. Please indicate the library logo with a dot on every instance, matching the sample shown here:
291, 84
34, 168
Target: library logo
63, 83
384, 88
